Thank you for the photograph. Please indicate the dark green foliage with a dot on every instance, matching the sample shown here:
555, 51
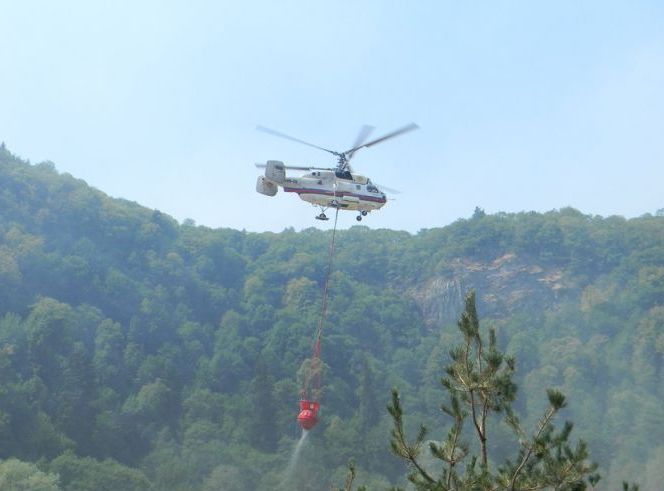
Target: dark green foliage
82, 474
263, 410
23, 476
174, 349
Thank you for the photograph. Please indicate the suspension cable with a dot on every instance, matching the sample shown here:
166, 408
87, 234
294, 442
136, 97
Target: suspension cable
316, 365
330, 261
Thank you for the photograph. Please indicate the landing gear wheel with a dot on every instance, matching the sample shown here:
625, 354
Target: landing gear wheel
322, 216
358, 218
364, 213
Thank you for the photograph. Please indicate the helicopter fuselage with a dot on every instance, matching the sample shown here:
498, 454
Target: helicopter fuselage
325, 189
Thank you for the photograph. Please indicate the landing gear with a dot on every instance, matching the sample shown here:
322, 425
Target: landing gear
364, 213
358, 218
322, 216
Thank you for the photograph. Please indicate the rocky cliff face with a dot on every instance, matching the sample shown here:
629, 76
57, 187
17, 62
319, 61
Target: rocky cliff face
504, 285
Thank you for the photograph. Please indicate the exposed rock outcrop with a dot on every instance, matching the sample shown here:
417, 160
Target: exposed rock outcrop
506, 284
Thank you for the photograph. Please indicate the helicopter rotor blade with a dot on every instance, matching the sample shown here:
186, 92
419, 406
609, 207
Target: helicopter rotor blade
395, 133
386, 189
364, 133
288, 137
299, 167
296, 167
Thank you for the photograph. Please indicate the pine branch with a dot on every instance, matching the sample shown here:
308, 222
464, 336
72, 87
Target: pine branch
399, 443
544, 422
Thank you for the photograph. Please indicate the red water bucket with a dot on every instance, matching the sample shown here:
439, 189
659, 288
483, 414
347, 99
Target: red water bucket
308, 416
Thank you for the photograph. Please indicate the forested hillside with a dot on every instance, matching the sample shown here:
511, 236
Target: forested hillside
138, 353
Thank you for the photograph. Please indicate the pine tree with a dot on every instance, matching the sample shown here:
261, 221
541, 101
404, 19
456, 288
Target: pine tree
479, 383
350, 478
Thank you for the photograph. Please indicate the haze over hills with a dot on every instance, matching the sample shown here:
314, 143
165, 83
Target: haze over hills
141, 351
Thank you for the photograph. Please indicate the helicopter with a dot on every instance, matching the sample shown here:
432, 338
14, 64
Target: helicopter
335, 187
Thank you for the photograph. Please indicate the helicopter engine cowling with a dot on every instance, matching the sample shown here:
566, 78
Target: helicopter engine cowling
266, 187
275, 171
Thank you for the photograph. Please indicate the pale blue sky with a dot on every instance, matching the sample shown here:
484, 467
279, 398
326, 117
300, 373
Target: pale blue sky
523, 105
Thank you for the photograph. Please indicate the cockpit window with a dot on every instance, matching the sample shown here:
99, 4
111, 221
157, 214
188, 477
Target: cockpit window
345, 174
372, 189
